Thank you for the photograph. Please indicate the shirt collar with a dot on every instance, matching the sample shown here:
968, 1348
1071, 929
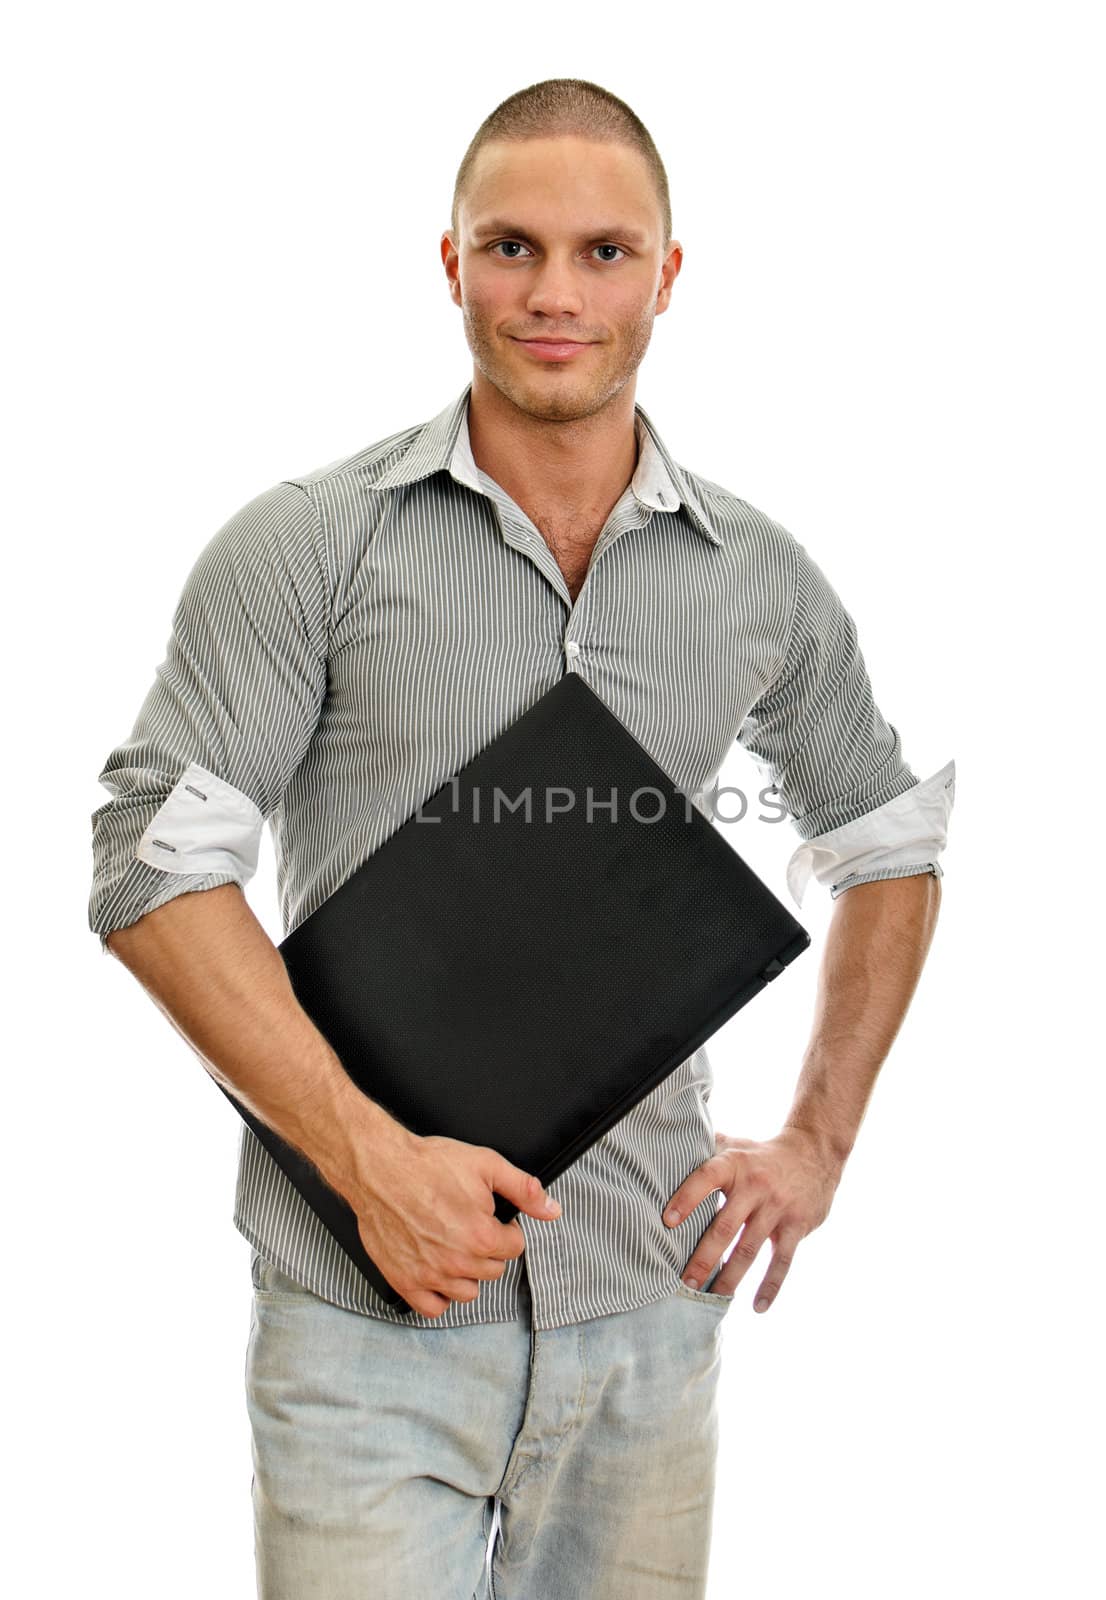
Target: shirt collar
442, 445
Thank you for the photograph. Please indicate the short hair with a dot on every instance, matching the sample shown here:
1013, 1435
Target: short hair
559, 106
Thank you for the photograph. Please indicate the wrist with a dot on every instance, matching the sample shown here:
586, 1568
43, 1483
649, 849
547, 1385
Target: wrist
830, 1148
361, 1142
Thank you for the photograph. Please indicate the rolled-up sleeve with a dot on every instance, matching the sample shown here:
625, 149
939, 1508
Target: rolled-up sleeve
227, 720
837, 765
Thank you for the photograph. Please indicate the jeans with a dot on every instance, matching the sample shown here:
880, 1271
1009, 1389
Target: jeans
490, 1462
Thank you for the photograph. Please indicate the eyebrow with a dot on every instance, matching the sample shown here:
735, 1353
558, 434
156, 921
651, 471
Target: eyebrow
513, 230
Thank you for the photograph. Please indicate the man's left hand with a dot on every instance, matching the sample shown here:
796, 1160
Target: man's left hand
779, 1189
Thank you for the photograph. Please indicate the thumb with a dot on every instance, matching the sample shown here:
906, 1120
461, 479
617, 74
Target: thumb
525, 1190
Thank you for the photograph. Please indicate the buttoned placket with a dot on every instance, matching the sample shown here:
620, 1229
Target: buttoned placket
523, 535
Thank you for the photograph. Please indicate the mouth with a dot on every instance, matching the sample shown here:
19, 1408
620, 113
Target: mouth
553, 349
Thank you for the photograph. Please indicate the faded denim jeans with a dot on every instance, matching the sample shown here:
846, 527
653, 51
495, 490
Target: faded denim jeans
492, 1462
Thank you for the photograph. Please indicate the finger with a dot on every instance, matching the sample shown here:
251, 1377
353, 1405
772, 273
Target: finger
426, 1302
509, 1242
703, 1181
460, 1289
466, 1286
493, 1248
714, 1242
742, 1256
778, 1268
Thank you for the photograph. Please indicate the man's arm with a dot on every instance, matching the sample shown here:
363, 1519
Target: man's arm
872, 834
227, 721
231, 712
212, 969
230, 717
878, 940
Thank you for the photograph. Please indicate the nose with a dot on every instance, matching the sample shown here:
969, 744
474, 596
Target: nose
554, 289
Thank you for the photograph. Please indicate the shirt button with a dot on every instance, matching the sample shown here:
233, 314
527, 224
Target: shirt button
572, 649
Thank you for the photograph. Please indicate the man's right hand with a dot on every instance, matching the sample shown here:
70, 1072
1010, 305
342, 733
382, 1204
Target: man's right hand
429, 1223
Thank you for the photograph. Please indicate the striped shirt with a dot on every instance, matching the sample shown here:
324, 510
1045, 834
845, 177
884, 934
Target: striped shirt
350, 638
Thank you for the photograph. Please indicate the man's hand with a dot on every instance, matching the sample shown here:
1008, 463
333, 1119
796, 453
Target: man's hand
426, 1217
780, 1189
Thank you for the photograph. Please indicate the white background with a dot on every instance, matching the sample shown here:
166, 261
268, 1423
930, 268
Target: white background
223, 269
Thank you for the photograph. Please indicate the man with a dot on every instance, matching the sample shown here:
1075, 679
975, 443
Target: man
543, 1424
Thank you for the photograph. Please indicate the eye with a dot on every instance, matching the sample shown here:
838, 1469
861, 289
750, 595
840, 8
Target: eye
517, 244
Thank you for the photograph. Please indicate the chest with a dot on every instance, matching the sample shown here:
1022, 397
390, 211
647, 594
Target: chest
447, 629
572, 543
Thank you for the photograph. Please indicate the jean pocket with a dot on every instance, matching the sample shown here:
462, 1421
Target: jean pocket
707, 1295
269, 1279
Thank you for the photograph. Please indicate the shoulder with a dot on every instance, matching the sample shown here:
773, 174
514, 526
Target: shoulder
764, 555
276, 534
747, 530
739, 523
347, 505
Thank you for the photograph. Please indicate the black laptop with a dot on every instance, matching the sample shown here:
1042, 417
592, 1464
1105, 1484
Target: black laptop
533, 951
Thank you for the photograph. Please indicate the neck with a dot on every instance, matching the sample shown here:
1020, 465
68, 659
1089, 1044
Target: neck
579, 466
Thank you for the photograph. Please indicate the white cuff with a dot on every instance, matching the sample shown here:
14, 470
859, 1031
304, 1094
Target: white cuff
205, 825
912, 827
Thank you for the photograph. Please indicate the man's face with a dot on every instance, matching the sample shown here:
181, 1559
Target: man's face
559, 238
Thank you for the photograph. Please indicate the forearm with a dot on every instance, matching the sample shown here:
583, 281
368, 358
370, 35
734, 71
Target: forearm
878, 940
212, 969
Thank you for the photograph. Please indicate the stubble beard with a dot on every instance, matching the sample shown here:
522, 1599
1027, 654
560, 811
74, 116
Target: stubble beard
545, 396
